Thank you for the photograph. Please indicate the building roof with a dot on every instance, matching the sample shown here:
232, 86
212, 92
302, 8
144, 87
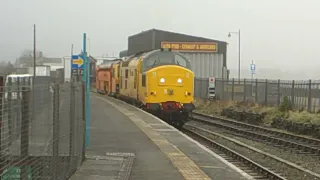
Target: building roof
52, 60
175, 33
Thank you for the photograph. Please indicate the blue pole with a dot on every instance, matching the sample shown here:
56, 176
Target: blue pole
84, 57
86, 79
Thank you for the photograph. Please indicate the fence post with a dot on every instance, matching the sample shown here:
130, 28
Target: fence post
232, 91
222, 89
292, 93
266, 93
55, 132
9, 108
279, 95
244, 89
16, 105
256, 91
2, 83
24, 129
203, 93
72, 124
310, 96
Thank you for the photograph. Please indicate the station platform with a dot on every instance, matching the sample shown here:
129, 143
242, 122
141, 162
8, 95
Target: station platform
127, 143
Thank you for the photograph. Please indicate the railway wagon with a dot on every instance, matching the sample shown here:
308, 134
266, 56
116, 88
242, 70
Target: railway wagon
115, 73
159, 81
106, 82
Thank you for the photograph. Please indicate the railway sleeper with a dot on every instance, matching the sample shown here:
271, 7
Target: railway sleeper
263, 129
278, 141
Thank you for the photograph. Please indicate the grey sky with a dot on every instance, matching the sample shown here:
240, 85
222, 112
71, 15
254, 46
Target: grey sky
280, 34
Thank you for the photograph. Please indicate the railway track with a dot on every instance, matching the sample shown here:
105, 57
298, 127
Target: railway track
298, 144
258, 164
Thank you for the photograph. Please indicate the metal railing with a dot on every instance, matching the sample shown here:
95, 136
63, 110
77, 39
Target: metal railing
301, 94
48, 144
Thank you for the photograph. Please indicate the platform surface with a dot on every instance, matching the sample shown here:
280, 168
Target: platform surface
127, 143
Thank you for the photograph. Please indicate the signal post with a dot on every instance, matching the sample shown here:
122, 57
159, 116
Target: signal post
81, 69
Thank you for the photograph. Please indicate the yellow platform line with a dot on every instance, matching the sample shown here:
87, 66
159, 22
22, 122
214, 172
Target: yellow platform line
187, 168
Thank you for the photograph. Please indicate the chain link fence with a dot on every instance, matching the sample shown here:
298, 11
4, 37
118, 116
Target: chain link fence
42, 129
302, 94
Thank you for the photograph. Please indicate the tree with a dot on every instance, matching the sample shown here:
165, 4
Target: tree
6, 68
26, 58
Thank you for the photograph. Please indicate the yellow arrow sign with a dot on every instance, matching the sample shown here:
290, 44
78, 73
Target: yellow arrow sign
79, 62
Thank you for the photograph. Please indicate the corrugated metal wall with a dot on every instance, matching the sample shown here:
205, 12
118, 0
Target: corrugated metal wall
205, 65
161, 35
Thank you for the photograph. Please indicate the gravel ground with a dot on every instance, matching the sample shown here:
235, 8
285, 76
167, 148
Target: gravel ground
285, 170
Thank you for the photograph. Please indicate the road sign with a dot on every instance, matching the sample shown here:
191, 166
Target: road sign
253, 68
77, 62
211, 82
13, 173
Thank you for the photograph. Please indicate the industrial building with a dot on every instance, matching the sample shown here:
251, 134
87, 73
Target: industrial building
208, 57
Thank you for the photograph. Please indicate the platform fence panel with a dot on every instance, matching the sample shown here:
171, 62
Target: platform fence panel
201, 87
42, 129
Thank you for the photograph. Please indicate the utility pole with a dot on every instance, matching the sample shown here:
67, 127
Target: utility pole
71, 76
239, 56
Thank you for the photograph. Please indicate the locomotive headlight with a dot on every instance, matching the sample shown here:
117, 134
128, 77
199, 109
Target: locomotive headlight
162, 80
179, 80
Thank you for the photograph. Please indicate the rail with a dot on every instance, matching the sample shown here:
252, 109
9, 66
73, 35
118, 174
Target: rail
252, 167
309, 146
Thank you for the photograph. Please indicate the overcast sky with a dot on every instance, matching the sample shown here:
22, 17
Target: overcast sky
279, 34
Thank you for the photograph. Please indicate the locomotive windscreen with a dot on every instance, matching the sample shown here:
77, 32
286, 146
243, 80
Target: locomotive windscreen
160, 58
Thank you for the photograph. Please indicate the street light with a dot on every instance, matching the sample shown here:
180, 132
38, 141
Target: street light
229, 35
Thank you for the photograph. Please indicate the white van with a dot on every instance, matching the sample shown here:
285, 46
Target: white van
24, 79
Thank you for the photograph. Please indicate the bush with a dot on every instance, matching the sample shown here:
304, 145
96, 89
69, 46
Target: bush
285, 106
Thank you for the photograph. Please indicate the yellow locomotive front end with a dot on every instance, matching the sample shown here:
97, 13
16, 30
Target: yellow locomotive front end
167, 85
170, 88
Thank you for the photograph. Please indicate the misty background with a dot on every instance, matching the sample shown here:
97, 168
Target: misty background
280, 36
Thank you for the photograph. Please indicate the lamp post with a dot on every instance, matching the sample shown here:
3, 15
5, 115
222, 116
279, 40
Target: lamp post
229, 35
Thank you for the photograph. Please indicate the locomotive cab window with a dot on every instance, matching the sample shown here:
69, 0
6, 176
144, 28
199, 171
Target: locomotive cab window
161, 58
